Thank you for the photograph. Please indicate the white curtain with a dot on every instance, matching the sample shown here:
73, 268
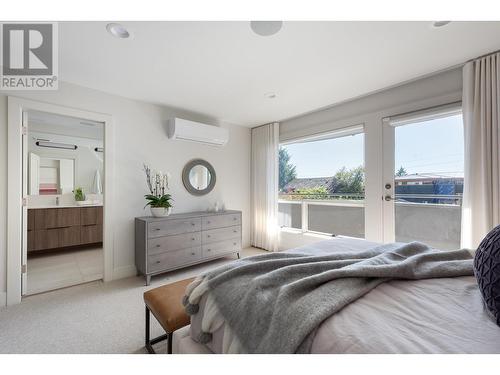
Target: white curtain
265, 146
481, 107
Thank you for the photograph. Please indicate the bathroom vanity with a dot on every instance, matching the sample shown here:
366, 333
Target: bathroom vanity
62, 227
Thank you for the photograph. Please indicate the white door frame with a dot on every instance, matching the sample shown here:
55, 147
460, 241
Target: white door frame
24, 213
388, 214
16, 107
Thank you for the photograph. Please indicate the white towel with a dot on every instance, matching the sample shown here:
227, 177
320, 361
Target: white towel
97, 184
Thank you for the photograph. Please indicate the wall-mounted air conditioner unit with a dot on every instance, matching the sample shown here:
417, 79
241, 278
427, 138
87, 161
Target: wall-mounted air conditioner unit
197, 132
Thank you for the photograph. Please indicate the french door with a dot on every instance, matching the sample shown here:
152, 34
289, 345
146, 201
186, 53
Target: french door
423, 177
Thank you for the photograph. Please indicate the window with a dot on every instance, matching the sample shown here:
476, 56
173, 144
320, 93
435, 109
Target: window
321, 183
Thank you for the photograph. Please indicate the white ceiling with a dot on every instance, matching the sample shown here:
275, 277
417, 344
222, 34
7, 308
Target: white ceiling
224, 70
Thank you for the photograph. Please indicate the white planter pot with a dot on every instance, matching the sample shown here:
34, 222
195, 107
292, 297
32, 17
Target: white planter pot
160, 211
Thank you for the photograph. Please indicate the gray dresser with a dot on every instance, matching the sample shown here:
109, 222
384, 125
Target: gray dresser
180, 240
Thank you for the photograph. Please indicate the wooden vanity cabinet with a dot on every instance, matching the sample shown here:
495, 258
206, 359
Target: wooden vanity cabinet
53, 228
91, 225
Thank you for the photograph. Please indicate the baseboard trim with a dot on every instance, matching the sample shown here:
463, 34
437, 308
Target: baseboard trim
124, 272
3, 299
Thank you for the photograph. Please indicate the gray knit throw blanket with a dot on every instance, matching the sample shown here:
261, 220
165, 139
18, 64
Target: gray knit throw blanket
274, 303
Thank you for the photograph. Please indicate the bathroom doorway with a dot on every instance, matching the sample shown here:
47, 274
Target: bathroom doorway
64, 177
61, 233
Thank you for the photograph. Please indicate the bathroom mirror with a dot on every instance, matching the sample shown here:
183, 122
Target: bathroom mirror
64, 154
198, 177
50, 175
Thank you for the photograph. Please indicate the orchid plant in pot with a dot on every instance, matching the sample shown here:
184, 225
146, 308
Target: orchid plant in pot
158, 200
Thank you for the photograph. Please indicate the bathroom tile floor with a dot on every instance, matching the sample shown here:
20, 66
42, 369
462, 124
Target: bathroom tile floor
61, 269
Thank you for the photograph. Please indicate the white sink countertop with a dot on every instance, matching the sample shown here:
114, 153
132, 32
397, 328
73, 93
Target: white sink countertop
64, 206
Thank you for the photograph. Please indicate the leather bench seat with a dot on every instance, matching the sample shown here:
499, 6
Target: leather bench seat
165, 302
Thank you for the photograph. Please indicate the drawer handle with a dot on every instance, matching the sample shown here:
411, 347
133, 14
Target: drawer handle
193, 253
192, 224
158, 228
235, 231
192, 239
158, 245
158, 262
208, 235
209, 249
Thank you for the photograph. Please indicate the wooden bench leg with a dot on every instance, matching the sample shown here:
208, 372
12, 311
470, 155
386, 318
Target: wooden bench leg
150, 342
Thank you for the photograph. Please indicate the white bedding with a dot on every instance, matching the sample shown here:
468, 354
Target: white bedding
425, 316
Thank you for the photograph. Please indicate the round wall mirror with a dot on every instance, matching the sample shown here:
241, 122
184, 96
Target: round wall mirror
198, 177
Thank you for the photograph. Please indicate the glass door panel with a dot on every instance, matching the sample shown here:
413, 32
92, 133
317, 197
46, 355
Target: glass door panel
424, 179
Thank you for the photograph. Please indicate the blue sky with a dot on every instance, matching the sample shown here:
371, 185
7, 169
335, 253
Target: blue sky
426, 147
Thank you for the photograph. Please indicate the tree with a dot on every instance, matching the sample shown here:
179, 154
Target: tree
401, 172
287, 170
349, 181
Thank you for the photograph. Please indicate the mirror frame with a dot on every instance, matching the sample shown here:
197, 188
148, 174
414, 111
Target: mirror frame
185, 177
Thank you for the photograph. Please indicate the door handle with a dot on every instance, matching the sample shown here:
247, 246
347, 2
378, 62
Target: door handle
388, 198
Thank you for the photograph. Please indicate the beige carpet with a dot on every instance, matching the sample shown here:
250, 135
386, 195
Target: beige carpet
95, 317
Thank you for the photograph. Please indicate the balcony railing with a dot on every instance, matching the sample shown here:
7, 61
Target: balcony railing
431, 218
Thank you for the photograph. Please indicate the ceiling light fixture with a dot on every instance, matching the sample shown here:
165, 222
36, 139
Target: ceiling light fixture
438, 24
266, 28
117, 30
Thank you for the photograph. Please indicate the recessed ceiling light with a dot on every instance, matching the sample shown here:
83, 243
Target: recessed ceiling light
270, 95
440, 23
117, 30
266, 28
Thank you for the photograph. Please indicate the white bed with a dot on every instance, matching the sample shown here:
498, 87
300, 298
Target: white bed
426, 316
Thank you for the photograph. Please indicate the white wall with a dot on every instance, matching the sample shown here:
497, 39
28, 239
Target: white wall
3, 198
435, 90
140, 137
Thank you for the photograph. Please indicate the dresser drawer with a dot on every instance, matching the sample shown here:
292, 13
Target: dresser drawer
172, 227
48, 218
220, 221
171, 243
172, 259
221, 234
91, 233
223, 247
